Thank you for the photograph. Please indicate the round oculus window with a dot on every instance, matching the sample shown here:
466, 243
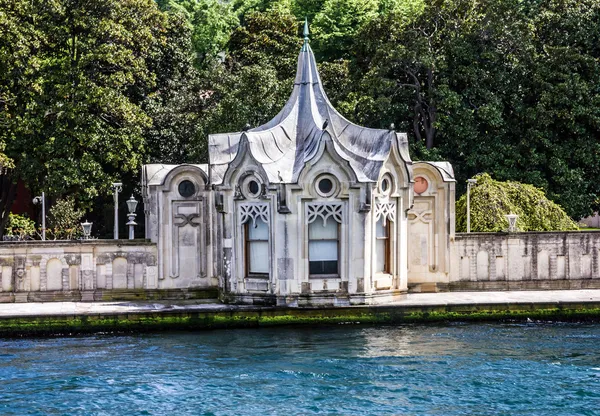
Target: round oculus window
253, 187
421, 184
325, 186
385, 184
186, 188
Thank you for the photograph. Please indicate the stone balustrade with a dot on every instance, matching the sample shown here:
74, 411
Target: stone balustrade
531, 260
77, 270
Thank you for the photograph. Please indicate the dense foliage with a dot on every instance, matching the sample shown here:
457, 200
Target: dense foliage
491, 200
20, 227
65, 220
91, 89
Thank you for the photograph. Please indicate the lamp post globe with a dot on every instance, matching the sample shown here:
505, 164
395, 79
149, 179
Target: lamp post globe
131, 206
87, 229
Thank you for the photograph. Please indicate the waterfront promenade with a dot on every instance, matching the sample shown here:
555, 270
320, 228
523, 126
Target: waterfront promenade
76, 317
483, 300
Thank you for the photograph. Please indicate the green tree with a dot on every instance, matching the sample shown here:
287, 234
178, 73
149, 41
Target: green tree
65, 219
211, 23
74, 121
257, 76
491, 86
19, 86
20, 226
177, 103
491, 200
336, 25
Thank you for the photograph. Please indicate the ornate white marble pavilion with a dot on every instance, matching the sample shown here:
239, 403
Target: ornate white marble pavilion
307, 209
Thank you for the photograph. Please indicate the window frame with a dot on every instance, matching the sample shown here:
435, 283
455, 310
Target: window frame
247, 244
387, 258
338, 251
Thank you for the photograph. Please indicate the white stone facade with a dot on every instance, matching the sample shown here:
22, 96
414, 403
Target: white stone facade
76, 270
308, 209
525, 260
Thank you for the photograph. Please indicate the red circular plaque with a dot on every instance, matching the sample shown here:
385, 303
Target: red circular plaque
421, 184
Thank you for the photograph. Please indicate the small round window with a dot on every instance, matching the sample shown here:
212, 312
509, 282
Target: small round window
326, 186
385, 186
250, 186
421, 184
186, 188
253, 187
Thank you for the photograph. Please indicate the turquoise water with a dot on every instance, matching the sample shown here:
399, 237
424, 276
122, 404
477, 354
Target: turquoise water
457, 369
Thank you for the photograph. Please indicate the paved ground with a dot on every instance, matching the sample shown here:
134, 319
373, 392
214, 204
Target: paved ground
416, 299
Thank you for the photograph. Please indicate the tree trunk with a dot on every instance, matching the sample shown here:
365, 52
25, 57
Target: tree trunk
430, 115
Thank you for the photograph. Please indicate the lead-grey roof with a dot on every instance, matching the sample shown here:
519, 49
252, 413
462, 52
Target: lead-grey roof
283, 145
155, 174
445, 169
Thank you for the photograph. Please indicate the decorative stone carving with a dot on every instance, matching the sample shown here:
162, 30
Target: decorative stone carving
250, 212
293, 172
187, 219
324, 211
387, 210
238, 195
73, 259
186, 240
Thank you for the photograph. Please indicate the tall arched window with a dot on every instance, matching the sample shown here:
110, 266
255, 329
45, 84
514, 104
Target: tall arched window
324, 222
383, 246
254, 219
385, 214
256, 247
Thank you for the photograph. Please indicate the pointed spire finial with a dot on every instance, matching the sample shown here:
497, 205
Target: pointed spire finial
306, 33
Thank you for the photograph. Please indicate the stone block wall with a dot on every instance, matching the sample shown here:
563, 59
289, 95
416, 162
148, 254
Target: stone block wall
77, 270
520, 261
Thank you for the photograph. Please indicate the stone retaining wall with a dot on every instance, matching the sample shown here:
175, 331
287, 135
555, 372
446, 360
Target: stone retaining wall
80, 270
518, 261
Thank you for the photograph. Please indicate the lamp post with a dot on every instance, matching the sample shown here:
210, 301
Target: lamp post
470, 183
42, 200
118, 188
87, 229
512, 222
131, 206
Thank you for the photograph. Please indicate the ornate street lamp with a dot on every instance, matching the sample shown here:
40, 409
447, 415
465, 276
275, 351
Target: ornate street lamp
37, 201
118, 188
512, 222
470, 183
87, 229
131, 206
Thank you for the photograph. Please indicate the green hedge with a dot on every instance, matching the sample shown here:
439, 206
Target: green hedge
491, 200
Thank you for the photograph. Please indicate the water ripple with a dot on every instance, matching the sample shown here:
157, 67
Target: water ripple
492, 369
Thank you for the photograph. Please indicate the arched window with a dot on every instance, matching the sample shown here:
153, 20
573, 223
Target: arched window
383, 246
385, 214
324, 239
254, 219
256, 247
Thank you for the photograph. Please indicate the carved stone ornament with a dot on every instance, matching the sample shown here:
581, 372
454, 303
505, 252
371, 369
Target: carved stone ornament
250, 212
324, 211
386, 210
187, 219
238, 193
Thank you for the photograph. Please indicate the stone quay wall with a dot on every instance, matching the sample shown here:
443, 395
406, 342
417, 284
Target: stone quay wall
525, 261
33, 271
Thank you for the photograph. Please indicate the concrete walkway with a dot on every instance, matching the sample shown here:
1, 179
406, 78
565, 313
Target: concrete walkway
66, 309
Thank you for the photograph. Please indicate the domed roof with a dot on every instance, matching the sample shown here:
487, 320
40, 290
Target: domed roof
284, 144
